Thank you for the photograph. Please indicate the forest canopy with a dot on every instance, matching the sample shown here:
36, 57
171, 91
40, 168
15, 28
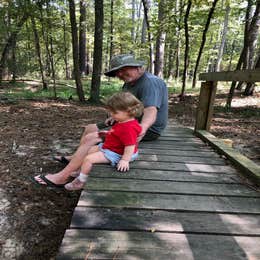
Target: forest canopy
177, 39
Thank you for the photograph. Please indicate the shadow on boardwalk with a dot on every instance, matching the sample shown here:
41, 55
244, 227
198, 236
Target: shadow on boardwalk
173, 204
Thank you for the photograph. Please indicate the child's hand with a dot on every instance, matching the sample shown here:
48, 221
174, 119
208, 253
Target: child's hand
123, 166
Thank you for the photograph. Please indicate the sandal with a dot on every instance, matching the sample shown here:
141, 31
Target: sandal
61, 159
43, 181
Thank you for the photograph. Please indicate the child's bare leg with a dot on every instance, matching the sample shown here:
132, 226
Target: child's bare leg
92, 149
93, 158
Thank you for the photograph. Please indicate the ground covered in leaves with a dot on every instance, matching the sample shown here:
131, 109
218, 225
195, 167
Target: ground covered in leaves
33, 219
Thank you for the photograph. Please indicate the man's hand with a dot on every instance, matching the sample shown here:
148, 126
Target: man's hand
123, 166
109, 121
143, 132
148, 119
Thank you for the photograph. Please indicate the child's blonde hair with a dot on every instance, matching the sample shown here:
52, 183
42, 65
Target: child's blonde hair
125, 101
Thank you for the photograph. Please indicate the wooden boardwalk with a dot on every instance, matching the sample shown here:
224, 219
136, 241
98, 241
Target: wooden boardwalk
180, 200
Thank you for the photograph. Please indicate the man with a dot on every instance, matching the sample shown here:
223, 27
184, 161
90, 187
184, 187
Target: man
149, 89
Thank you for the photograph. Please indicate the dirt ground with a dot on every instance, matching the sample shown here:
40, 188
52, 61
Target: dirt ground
33, 219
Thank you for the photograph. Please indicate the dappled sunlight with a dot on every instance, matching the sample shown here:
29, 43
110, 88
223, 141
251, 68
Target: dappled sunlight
166, 226
243, 224
47, 105
250, 246
177, 242
208, 168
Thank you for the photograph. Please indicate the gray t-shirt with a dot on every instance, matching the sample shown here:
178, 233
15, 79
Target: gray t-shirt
152, 91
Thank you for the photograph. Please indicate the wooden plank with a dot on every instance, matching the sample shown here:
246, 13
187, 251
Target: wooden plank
163, 221
245, 165
180, 152
238, 75
175, 202
181, 129
86, 244
180, 159
99, 172
168, 135
184, 167
162, 145
181, 139
170, 187
168, 143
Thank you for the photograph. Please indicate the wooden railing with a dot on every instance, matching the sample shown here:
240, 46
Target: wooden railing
204, 116
208, 92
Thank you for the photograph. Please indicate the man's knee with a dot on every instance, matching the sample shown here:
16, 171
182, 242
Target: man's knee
91, 138
91, 128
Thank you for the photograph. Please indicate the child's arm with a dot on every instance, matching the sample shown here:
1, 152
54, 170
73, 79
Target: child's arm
123, 164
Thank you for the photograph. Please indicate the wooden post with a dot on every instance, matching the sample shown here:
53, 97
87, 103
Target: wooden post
205, 106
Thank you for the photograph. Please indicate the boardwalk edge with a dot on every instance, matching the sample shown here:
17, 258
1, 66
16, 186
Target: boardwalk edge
246, 166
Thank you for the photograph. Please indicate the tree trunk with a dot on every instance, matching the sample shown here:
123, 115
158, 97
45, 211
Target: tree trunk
170, 60
179, 9
253, 36
111, 52
13, 66
223, 40
212, 9
9, 44
252, 40
38, 52
67, 72
82, 37
75, 50
231, 54
97, 57
133, 21
244, 62
243, 59
187, 46
146, 4
160, 41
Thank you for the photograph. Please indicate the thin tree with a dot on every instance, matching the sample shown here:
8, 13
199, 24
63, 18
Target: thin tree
10, 42
204, 35
38, 52
133, 21
146, 4
75, 50
66, 49
242, 59
252, 40
187, 47
223, 38
111, 52
160, 41
97, 56
82, 37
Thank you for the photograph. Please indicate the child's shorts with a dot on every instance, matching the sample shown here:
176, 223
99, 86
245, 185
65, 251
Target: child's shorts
113, 157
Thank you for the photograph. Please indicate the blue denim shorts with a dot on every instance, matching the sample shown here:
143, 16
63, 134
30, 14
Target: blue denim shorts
113, 157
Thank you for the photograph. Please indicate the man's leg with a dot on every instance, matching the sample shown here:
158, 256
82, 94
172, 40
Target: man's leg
91, 128
150, 136
76, 161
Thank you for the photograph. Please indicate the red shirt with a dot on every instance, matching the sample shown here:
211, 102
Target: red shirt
121, 135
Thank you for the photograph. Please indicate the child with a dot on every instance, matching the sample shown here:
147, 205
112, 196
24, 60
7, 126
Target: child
120, 145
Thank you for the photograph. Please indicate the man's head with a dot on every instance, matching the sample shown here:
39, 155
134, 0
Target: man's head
125, 67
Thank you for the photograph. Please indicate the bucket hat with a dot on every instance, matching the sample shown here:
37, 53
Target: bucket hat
120, 61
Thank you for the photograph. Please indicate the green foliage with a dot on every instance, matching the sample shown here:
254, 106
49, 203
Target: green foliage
52, 17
